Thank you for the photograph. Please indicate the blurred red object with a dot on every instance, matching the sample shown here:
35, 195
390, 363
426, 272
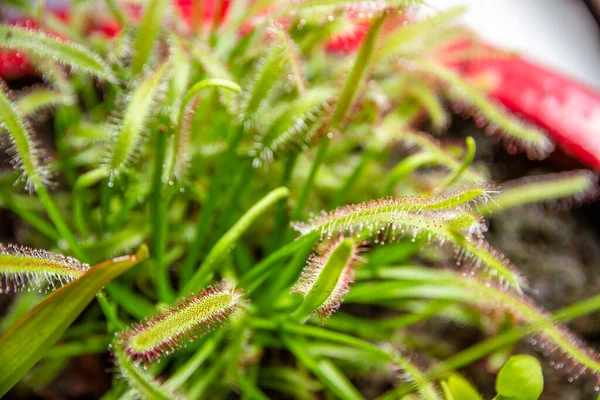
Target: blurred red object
568, 110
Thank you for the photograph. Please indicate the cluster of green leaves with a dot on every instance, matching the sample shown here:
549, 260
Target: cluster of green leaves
209, 145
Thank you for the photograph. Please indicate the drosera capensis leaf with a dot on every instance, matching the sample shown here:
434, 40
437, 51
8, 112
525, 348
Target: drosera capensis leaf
327, 278
43, 45
23, 268
255, 96
293, 127
343, 104
185, 321
181, 144
515, 134
46, 323
39, 99
356, 217
443, 219
291, 53
128, 134
147, 33
27, 155
320, 7
558, 189
554, 339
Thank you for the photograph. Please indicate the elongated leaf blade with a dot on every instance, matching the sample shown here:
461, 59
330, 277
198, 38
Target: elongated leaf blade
27, 342
43, 45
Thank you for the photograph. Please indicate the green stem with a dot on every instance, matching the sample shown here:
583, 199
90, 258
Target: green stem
469, 156
83, 182
147, 33
257, 275
406, 166
31, 218
208, 209
60, 224
184, 372
220, 249
116, 11
485, 347
299, 210
324, 370
158, 211
232, 199
114, 323
343, 105
279, 235
343, 193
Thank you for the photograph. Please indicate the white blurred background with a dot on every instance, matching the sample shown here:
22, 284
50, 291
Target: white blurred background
561, 34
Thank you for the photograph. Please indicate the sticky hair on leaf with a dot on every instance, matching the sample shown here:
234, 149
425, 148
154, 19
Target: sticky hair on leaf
292, 127
562, 190
43, 45
468, 101
359, 8
255, 98
473, 256
443, 220
26, 154
554, 339
23, 268
129, 130
35, 101
388, 211
185, 321
291, 52
327, 277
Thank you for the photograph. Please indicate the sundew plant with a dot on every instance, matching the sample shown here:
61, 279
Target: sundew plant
260, 202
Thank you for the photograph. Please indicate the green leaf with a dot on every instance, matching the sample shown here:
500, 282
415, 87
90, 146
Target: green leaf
42, 98
26, 153
325, 279
220, 249
520, 379
562, 187
515, 133
128, 137
457, 388
147, 34
324, 370
40, 44
24, 344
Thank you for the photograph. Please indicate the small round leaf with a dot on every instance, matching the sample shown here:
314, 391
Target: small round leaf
521, 378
